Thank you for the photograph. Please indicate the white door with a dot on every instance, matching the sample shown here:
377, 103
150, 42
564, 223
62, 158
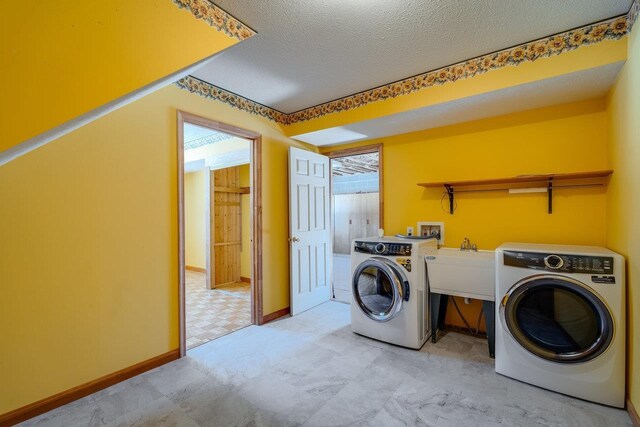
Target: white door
309, 229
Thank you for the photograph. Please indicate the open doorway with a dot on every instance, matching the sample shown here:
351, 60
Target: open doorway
219, 228
356, 208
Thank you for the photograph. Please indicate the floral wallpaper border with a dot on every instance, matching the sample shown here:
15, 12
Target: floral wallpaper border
615, 28
216, 17
612, 29
207, 90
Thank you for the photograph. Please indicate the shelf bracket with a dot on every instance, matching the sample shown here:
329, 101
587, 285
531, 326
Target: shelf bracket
550, 195
450, 194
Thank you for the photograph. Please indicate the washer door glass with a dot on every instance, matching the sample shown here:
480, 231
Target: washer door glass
379, 288
558, 319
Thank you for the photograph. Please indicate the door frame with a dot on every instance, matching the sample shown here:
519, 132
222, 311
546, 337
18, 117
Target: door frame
367, 149
255, 139
346, 152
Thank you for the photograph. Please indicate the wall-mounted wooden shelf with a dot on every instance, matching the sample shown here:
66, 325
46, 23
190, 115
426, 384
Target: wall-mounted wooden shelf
547, 179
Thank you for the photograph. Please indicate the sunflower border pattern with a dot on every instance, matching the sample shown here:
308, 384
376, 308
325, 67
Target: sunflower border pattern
216, 17
611, 29
207, 90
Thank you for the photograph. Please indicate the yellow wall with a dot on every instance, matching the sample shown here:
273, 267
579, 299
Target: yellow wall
89, 261
195, 195
245, 256
61, 59
623, 201
568, 138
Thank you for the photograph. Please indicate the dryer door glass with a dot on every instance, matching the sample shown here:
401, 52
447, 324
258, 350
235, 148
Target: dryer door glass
379, 288
558, 319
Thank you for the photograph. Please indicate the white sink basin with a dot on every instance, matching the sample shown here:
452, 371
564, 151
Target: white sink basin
462, 273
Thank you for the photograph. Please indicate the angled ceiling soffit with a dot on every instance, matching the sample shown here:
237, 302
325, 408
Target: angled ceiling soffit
216, 18
610, 29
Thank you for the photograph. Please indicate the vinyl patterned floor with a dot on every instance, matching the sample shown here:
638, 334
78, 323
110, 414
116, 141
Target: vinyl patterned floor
212, 313
312, 370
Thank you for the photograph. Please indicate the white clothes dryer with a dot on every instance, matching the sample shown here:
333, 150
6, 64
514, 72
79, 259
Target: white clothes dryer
560, 319
390, 298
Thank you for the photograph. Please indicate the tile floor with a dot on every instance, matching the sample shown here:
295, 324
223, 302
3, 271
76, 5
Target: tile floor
212, 313
312, 370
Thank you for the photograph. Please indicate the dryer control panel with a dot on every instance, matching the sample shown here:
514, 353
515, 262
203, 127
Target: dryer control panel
560, 262
383, 248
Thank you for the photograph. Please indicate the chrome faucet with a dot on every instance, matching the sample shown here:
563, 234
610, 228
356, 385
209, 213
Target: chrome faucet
467, 246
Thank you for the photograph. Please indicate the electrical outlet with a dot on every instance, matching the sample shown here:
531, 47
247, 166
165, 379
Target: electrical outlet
409, 231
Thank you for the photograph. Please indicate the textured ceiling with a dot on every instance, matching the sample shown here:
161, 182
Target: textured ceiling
209, 149
198, 136
355, 164
193, 132
583, 85
312, 51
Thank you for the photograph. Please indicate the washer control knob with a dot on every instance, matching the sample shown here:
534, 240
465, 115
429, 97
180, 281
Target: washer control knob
554, 262
380, 248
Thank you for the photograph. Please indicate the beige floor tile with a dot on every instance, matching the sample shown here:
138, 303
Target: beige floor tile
212, 313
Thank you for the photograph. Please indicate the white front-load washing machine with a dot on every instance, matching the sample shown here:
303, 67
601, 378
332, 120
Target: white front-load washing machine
560, 319
390, 299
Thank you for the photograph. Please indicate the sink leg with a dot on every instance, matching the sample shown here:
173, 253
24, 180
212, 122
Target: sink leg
438, 314
435, 307
490, 324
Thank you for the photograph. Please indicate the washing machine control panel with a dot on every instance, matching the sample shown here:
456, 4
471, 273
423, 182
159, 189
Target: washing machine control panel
560, 262
383, 248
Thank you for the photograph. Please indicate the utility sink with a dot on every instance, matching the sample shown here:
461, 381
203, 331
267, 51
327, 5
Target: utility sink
468, 274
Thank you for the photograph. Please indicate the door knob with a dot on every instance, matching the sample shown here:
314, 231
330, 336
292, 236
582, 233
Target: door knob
294, 239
